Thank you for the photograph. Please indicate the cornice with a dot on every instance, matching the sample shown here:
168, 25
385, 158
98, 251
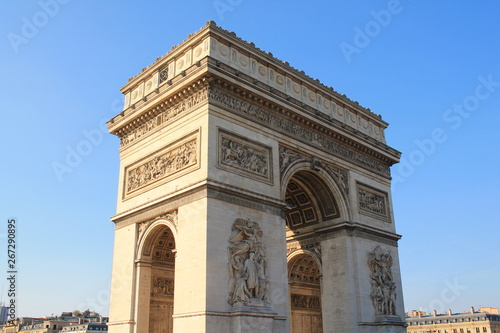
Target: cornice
212, 30
331, 140
164, 97
207, 188
321, 123
352, 229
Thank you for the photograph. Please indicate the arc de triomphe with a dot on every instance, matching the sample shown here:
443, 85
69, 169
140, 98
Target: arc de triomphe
251, 198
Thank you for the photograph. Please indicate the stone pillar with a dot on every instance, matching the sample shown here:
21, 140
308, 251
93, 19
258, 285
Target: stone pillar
143, 287
338, 293
123, 281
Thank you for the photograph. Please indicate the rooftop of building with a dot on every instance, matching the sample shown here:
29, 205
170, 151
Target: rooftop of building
483, 313
268, 55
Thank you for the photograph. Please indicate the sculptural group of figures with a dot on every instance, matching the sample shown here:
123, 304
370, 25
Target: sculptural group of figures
244, 157
247, 264
383, 288
162, 166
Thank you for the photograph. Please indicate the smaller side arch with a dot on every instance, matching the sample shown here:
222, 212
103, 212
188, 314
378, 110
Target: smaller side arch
305, 290
295, 254
149, 230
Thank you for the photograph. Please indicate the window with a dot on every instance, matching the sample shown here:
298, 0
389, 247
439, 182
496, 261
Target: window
485, 329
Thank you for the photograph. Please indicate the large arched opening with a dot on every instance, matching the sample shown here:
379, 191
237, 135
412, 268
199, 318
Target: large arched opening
311, 207
310, 202
304, 279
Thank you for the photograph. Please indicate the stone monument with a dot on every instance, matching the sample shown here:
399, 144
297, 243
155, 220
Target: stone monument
252, 198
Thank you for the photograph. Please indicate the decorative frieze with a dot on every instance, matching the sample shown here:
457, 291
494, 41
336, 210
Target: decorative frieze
372, 202
166, 114
383, 288
162, 286
176, 157
247, 264
245, 157
299, 131
305, 302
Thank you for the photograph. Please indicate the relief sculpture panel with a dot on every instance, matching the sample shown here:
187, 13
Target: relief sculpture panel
179, 156
162, 286
383, 288
247, 262
372, 202
245, 157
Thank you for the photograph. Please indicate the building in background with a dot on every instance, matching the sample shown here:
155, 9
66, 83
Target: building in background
4, 312
485, 320
66, 322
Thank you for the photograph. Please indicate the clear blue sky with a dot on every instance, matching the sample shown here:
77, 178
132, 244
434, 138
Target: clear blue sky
431, 69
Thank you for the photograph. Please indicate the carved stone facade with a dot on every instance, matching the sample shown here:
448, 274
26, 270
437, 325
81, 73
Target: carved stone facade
171, 160
296, 130
245, 157
383, 289
163, 286
250, 198
143, 226
163, 114
247, 264
372, 202
305, 302
304, 270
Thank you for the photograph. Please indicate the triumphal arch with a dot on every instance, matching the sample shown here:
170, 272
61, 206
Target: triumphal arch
252, 198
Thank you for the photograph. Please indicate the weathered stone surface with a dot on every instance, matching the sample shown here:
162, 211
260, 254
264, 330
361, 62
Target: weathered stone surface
252, 198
